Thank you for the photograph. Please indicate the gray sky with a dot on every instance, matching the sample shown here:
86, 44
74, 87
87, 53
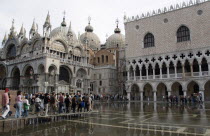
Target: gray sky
103, 13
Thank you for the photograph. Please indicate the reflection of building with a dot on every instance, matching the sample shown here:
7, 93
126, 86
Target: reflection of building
168, 52
59, 60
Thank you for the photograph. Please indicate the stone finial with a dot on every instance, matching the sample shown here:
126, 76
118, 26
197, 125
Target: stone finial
171, 7
183, 4
197, 1
159, 11
177, 6
21, 31
165, 9
190, 3
153, 13
142, 15
137, 17
148, 14
133, 18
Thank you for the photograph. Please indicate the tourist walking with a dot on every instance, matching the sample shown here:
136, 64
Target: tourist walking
67, 103
53, 103
73, 103
25, 106
18, 105
38, 105
46, 103
61, 102
5, 103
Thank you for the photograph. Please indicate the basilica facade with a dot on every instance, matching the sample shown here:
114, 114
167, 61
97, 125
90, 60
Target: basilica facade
168, 52
59, 60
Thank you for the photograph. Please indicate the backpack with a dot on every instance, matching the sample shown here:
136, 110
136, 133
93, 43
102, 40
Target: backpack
52, 99
26, 106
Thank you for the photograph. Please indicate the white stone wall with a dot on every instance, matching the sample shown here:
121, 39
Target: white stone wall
165, 33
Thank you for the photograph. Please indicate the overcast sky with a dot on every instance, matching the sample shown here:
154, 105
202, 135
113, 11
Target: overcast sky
103, 13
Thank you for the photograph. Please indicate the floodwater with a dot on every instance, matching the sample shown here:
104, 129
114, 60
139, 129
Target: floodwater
129, 119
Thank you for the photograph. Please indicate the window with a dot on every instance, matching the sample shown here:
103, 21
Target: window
107, 58
149, 40
100, 83
183, 34
102, 57
98, 60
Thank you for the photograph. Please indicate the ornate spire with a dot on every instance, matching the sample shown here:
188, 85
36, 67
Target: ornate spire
12, 27
33, 27
22, 31
89, 28
5, 39
89, 19
70, 31
117, 30
64, 22
47, 21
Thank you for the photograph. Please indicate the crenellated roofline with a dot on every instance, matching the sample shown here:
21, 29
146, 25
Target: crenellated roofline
164, 10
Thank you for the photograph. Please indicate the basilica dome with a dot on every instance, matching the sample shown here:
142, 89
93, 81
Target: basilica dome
90, 38
116, 40
65, 32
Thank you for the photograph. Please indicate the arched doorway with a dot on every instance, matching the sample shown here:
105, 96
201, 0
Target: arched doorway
135, 92
82, 75
15, 78
65, 77
207, 91
176, 89
148, 94
11, 52
2, 77
28, 79
192, 88
161, 91
51, 78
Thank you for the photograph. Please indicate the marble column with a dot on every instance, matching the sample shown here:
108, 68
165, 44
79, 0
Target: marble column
191, 69
200, 70
128, 96
141, 94
209, 69
168, 74
183, 71
160, 73
155, 96
134, 74
175, 71
202, 94
153, 72
185, 93
147, 72
169, 93
128, 76
140, 75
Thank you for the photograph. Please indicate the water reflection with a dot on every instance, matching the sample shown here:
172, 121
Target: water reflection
130, 119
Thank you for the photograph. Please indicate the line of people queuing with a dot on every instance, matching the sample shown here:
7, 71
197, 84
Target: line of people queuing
45, 103
194, 98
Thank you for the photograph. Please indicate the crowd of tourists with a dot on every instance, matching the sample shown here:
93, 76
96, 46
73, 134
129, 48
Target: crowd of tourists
43, 104
193, 98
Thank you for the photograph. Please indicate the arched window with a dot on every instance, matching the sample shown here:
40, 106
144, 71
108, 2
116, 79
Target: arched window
183, 34
149, 40
102, 57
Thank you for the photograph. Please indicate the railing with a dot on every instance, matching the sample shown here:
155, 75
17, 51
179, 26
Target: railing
157, 76
179, 75
172, 75
165, 76
205, 73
